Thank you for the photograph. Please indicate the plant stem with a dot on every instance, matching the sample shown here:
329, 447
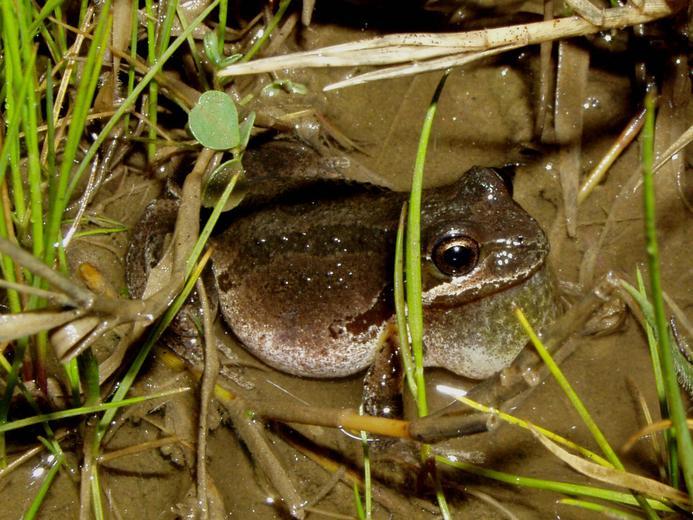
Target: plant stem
678, 414
413, 251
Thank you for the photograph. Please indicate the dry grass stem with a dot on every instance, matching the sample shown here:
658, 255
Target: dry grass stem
655, 427
616, 477
624, 139
588, 11
418, 47
105, 458
209, 377
675, 148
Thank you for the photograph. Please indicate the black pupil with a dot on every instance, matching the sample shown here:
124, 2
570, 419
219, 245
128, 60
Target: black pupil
458, 257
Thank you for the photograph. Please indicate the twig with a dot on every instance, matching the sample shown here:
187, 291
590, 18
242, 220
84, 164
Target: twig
209, 378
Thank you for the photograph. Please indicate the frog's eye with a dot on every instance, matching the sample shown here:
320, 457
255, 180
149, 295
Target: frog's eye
455, 255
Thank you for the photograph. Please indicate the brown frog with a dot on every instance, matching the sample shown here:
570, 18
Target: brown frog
305, 280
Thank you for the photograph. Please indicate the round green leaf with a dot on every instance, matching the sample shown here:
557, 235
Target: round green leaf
214, 121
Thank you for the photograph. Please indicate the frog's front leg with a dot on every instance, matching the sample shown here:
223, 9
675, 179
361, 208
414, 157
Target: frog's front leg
383, 382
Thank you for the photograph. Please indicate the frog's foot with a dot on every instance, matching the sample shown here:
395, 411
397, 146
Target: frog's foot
395, 461
607, 317
382, 385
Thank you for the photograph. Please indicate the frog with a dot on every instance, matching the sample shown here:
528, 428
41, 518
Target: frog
304, 278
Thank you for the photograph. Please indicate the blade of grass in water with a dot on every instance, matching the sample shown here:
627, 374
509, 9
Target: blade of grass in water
194, 53
360, 514
640, 296
551, 485
100, 231
511, 419
577, 403
569, 391
134, 26
400, 306
153, 86
36, 503
155, 51
221, 26
673, 393
367, 484
83, 410
413, 271
413, 251
266, 33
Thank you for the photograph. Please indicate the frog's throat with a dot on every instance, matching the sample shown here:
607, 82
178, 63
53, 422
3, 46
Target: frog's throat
482, 337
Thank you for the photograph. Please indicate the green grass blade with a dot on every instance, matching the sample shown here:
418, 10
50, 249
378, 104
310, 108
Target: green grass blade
608, 512
360, 513
521, 423
221, 26
552, 485
283, 6
209, 225
43, 14
59, 192
100, 231
134, 24
400, 306
367, 482
673, 393
567, 388
577, 403
155, 50
413, 251
83, 410
201, 76
640, 297
413, 270
35, 506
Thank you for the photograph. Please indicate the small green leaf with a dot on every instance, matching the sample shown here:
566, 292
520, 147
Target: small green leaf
215, 183
214, 121
285, 85
211, 47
